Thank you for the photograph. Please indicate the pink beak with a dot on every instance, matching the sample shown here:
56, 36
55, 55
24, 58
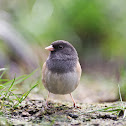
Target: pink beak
50, 48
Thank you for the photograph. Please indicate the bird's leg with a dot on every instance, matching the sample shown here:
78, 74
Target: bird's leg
73, 100
47, 99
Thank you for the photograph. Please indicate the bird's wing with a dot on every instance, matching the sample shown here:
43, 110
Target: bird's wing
78, 69
43, 73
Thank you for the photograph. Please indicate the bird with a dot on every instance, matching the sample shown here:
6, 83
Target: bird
62, 71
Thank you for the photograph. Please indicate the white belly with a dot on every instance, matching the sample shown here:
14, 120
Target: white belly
61, 83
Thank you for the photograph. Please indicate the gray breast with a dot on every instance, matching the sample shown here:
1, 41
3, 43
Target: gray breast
63, 83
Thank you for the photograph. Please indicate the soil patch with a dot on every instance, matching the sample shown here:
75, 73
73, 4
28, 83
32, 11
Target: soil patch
35, 112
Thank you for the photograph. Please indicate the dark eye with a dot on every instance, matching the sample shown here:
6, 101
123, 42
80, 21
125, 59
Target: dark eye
60, 47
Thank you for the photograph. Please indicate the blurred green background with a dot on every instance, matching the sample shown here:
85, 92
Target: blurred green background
97, 29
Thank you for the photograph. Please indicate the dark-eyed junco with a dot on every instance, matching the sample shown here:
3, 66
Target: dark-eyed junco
62, 71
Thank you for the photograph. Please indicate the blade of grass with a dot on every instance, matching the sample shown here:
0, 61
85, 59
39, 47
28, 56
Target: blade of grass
7, 84
112, 110
3, 80
24, 96
19, 80
104, 109
3, 73
18, 99
2, 86
10, 87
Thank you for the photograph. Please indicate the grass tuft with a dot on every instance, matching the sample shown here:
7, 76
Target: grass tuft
7, 88
24, 96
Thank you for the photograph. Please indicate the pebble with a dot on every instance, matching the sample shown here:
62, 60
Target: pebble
25, 114
14, 113
73, 115
33, 111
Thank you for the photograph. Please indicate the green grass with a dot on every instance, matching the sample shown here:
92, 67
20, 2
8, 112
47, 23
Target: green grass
24, 96
7, 88
112, 109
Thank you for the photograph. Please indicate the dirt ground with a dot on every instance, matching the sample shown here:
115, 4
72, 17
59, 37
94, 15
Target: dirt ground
35, 113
